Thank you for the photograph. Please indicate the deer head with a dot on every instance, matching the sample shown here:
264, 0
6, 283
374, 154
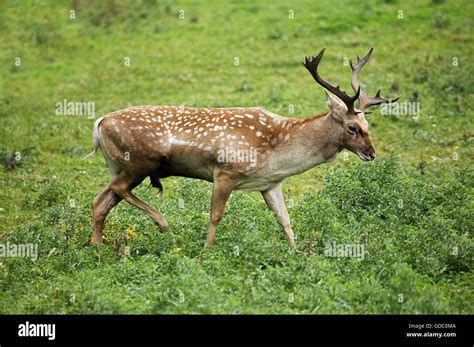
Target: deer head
354, 126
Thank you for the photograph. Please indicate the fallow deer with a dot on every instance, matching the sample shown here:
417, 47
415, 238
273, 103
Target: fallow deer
235, 148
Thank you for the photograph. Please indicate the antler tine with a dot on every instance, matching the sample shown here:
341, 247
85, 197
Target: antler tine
311, 64
357, 68
366, 101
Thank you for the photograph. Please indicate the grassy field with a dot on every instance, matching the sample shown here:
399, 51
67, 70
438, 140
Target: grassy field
412, 209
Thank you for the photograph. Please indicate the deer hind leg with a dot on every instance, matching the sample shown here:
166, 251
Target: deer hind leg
123, 186
101, 206
223, 187
276, 203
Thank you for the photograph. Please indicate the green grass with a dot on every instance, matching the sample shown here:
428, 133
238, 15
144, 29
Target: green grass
412, 209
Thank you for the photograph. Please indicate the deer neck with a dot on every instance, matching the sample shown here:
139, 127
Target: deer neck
307, 143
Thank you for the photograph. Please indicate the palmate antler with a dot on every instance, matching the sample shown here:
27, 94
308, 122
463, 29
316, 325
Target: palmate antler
366, 101
311, 64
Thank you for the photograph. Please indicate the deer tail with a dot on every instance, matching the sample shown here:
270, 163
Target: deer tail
95, 138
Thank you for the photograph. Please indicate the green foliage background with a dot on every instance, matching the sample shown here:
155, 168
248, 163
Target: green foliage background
412, 209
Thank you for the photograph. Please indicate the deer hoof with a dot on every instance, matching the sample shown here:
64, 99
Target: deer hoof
163, 225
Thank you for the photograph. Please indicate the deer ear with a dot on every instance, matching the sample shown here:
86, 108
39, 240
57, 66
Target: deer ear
336, 105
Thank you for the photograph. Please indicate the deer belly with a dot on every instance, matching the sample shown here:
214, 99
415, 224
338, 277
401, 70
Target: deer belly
258, 183
190, 166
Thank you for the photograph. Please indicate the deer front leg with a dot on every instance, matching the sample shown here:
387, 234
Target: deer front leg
223, 187
274, 199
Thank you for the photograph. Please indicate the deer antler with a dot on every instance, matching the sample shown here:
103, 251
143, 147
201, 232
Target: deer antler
311, 64
366, 101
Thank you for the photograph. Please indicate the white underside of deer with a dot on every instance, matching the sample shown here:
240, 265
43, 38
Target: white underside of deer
235, 148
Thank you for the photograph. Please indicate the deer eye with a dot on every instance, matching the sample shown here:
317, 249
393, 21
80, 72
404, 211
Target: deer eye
352, 129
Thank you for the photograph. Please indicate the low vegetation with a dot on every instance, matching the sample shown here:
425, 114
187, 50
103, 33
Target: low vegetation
409, 212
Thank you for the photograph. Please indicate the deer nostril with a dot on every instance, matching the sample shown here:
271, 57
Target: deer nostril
372, 156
